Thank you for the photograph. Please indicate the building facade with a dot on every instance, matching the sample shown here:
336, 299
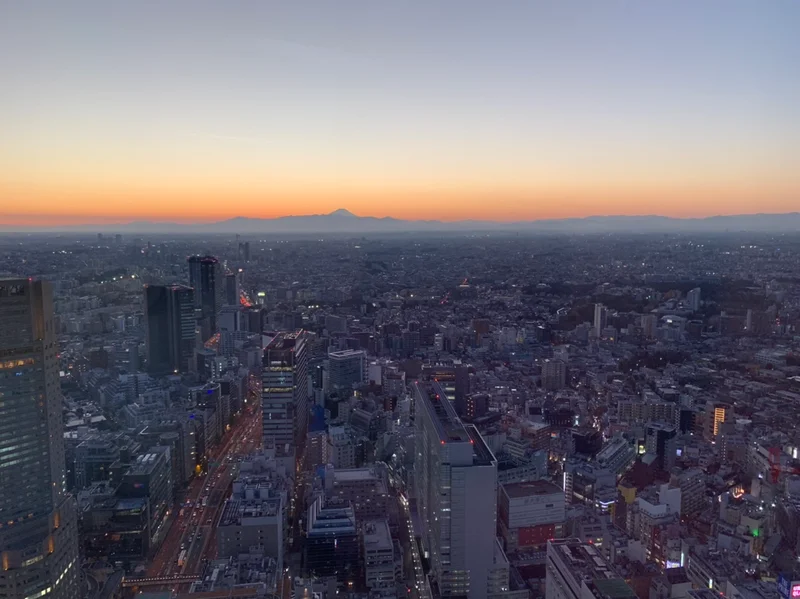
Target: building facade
456, 492
169, 328
284, 392
38, 534
379, 559
346, 369
530, 514
207, 279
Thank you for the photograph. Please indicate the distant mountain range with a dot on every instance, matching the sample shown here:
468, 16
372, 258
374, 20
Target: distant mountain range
344, 221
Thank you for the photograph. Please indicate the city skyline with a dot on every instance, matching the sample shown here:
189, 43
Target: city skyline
443, 416
444, 112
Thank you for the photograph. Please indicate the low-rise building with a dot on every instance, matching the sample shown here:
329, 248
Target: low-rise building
529, 514
576, 570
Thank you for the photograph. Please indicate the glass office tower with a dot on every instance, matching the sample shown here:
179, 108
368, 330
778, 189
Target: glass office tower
38, 528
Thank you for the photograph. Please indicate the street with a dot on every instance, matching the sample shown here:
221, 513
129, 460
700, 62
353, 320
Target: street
191, 539
421, 588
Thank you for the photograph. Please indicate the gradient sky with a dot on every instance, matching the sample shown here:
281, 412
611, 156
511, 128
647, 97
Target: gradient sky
199, 110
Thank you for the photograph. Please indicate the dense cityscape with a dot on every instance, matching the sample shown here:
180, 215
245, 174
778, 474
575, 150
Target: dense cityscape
400, 416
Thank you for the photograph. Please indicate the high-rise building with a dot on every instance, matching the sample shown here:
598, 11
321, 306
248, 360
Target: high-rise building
284, 392
554, 375
156, 328
617, 455
169, 327
600, 319
230, 319
346, 368
150, 476
649, 325
586, 441
244, 251
693, 299
232, 288
692, 484
206, 277
454, 378
336, 324
316, 450
716, 414
331, 544
38, 526
660, 440
182, 326
477, 405
456, 487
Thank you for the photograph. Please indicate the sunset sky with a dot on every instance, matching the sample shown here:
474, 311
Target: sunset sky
199, 110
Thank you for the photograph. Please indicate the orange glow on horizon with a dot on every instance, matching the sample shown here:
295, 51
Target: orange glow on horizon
51, 206
530, 112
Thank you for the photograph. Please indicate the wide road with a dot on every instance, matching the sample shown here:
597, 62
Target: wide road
246, 445
193, 530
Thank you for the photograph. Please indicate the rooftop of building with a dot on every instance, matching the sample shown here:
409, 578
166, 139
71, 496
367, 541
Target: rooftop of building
205, 259
345, 475
534, 426
450, 428
587, 565
346, 353
330, 519
377, 536
236, 510
482, 455
703, 594
578, 465
676, 575
130, 503
249, 570
757, 589
528, 489
112, 585
284, 340
722, 564
614, 445
613, 589
146, 463
661, 426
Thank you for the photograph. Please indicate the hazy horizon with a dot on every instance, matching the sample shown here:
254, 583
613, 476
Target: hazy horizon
342, 221
458, 110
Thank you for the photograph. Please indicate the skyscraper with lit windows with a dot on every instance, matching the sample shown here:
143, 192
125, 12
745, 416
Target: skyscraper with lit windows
284, 393
38, 527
